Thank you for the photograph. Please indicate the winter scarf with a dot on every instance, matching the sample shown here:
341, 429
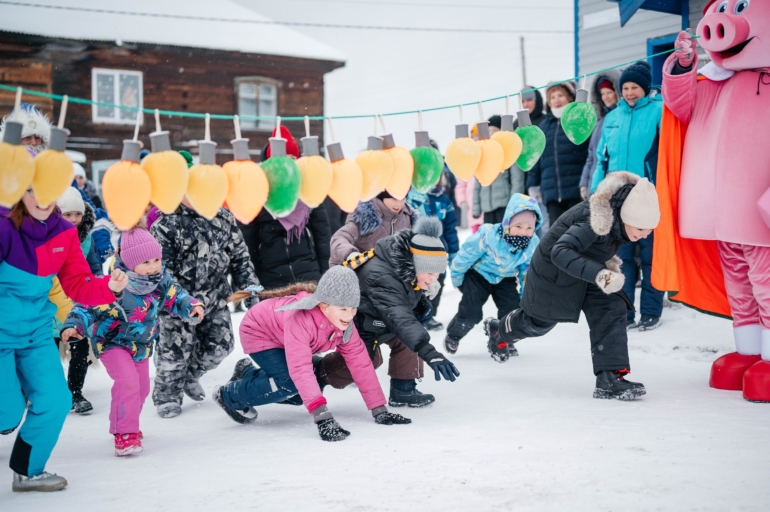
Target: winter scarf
295, 222
142, 285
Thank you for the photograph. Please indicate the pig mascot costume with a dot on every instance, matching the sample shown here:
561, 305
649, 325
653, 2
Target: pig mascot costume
715, 247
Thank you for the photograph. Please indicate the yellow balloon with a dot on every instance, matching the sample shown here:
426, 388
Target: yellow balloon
511, 144
346, 186
316, 179
53, 174
491, 164
126, 189
207, 189
376, 170
16, 172
247, 189
168, 173
403, 169
462, 157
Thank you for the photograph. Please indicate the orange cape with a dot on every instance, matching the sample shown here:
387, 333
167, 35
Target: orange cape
689, 268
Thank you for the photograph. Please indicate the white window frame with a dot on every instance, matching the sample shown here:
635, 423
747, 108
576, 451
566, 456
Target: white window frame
116, 74
257, 81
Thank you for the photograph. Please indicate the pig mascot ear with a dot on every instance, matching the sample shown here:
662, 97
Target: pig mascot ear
736, 34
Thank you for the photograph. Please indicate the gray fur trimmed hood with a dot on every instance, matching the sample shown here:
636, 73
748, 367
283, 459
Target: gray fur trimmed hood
602, 214
368, 215
87, 224
395, 250
613, 75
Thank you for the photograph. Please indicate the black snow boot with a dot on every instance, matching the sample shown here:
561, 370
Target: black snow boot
242, 416
451, 344
611, 384
499, 349
649, 323
317, 371
79, 404
405, 393
433, 325
240, 368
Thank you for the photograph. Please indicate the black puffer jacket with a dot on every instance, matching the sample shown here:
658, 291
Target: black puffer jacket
575, 250
558, 171
279, 264
390, 303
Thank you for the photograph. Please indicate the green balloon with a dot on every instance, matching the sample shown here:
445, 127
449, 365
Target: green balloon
533, 145
578, 121
285, 180
428, 165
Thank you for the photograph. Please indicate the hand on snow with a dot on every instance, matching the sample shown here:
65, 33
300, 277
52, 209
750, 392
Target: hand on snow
118, 281
387, 418
534, 193
609, 281
197, 313
330, 430
70, 334
442, 366
685, 49
584, 193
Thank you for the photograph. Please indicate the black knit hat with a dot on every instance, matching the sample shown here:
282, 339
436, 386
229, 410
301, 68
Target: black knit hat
639, 74
496, 121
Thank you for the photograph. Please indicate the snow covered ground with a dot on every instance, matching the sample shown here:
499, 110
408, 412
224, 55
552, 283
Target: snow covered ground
523, 435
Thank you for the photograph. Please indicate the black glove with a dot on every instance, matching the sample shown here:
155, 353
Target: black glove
424, 310
330, 430
387, 418
442, 366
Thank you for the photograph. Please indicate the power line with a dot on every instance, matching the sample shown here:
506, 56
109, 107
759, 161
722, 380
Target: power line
424, 4
287, 23
201, 115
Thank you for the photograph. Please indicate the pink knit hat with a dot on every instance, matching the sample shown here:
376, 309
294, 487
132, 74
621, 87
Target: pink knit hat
138, 246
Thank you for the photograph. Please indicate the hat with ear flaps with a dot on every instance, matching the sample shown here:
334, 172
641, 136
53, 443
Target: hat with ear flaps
641, 209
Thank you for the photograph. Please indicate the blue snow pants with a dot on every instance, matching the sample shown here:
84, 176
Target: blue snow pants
33, 366
651, 302
268, 384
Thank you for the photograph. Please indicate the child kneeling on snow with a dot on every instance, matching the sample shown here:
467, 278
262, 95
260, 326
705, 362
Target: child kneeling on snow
281, 335
122, 333
491, 262
575, 268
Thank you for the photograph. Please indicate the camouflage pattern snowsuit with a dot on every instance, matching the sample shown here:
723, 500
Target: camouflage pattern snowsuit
199, 254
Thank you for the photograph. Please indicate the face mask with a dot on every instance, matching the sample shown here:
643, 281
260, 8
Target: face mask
557, 112
142, 285
518, 242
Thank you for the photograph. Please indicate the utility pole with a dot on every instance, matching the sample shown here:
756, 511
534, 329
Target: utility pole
523, 62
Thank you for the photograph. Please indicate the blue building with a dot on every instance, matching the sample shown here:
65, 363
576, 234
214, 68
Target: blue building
608, 32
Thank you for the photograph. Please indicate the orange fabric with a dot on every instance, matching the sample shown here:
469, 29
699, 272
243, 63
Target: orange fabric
688, 267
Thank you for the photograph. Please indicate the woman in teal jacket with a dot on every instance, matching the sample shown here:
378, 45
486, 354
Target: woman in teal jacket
630, 143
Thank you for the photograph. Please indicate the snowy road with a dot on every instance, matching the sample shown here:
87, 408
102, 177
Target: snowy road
523, 435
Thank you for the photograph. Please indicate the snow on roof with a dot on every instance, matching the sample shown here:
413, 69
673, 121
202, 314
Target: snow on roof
129, 28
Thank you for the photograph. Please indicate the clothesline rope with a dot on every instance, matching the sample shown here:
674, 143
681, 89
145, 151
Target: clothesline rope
201, 115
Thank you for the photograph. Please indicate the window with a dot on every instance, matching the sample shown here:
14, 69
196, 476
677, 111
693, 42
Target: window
257, 97
116, 87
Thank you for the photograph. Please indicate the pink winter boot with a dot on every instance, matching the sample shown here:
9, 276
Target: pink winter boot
127, 444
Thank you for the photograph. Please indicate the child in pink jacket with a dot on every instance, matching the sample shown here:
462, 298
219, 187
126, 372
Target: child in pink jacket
281, 335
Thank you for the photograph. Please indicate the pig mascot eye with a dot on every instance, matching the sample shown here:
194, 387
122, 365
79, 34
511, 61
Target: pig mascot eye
741, 6
722, 7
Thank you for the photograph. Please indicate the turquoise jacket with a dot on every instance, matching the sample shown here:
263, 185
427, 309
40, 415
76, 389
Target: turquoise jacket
629, 140
488, 254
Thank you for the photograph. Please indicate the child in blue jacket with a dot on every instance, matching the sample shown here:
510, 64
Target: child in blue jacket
436, 203
493, 262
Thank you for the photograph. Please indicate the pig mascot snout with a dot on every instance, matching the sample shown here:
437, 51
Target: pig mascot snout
723, 176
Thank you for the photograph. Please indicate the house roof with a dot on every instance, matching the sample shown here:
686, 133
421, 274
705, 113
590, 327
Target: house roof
83, 24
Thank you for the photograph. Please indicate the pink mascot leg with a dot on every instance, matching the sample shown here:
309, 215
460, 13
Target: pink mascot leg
727, 371
756, 380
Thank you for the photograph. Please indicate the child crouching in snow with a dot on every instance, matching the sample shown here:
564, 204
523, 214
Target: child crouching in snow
489, 263
575, 269
281, 335
122, 333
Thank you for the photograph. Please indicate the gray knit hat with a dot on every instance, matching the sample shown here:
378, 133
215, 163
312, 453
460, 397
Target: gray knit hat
337, 287
426, 246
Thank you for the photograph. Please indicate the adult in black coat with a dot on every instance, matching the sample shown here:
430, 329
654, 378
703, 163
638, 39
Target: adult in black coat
555, 179
391, 310
278, 262
532, 100
575, 269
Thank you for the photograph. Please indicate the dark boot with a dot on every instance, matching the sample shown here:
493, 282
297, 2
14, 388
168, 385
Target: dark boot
76, 376
405, 393
433, 325
649, 323
317, 371
79, 404
611, 384
451, 344
243, 416
240, 368
499, 350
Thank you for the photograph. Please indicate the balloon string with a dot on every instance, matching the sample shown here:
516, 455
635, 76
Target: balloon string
207, 138
136, 126
307, 126
419, 119
17, 105
157, 120
481, 112
278, 127
331, 128
507, 105
63, 112
237, 124
374, 118
583, 82
382, 123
